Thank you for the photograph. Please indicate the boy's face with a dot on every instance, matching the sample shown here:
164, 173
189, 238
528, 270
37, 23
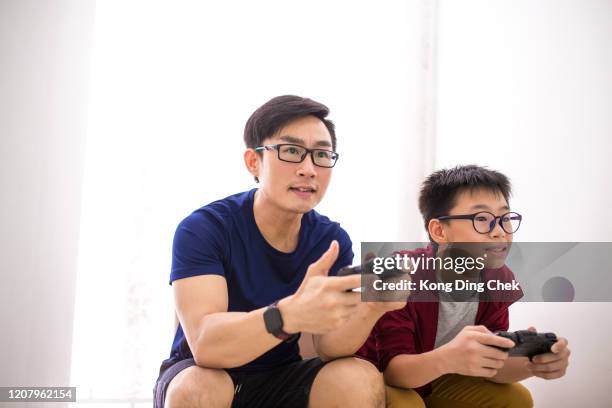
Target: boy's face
496, 243
295, 187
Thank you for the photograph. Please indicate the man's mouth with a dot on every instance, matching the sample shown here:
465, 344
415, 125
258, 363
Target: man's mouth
303, 191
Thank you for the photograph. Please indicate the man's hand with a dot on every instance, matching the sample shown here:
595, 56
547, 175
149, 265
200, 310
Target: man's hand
472, 352
551, 365
321, 303
383, 307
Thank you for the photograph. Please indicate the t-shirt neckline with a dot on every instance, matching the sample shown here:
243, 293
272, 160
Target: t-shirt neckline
259, 235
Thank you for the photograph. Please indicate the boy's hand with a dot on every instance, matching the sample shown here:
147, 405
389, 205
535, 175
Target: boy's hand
551, 365
473, 352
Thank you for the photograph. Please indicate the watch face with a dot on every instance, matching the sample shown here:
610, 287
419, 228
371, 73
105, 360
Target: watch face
273, 321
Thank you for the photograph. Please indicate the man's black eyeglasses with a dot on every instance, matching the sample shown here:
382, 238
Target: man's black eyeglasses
296, 154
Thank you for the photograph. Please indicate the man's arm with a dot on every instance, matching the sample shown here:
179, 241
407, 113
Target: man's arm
222, 339
218, 338
347, 339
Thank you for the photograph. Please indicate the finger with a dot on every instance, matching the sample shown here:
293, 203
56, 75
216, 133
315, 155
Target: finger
343, 283
493, 353
369, 256
559, 346
492, 363
494, 340
486, 372
532, 329
545, 358
480, 328
549, 357
322, 265
550, 376
547, 368
348, 299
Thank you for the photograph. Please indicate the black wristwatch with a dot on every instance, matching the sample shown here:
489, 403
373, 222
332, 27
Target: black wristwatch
274, 323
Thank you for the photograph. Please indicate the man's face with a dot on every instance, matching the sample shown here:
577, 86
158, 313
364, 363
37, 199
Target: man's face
295, 187
496, 243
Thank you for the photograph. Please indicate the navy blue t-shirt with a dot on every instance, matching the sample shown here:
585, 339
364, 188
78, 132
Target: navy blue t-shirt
222, 238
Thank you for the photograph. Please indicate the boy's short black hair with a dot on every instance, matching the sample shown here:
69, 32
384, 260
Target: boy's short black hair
278, 112
439, 191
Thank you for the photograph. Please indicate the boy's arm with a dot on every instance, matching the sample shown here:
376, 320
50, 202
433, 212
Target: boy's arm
470, 353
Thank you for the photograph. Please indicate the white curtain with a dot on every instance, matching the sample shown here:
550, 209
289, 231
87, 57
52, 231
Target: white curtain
173, 84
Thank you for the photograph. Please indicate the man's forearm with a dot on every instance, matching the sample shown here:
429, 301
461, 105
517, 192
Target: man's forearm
514, 370
232, 339
348, 338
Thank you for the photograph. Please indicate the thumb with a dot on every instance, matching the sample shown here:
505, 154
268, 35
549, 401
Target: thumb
480, 328
322, 265
369, 256
532, 329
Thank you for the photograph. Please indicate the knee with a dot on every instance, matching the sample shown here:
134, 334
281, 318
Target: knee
403, 398
200, 387
518, 396
361, 381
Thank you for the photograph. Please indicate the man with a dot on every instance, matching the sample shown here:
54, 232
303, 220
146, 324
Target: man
446, 349
250, 272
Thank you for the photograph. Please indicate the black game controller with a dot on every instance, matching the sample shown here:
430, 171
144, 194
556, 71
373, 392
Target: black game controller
528, 343
368, 268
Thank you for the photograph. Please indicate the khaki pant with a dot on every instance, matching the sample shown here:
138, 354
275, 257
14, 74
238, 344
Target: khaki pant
458, 391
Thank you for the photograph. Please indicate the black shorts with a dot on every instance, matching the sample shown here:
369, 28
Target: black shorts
285, 386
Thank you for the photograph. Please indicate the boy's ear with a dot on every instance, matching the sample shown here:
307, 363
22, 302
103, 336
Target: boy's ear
436, 231
251, 161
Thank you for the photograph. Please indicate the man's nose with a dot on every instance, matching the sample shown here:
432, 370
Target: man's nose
307, 168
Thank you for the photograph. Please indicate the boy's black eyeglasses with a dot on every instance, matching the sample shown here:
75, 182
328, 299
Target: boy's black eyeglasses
296, 154
484, 221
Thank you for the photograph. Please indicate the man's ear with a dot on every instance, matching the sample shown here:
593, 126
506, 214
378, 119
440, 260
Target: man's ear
436, 231
251, 161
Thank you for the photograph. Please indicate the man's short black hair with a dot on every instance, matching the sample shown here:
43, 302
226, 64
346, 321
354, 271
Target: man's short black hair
440, 190
278, 112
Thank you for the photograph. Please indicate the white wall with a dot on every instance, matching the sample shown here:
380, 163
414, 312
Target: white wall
523, 87
44, 57
526, 88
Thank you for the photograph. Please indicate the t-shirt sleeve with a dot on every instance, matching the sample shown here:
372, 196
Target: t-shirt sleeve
198, 247
501, 320
346, 255
394, 335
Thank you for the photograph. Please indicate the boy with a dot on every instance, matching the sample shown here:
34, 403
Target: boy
444, 349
